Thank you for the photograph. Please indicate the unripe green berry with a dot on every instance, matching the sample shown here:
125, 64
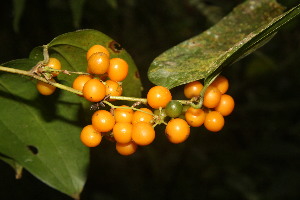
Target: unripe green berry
174, 108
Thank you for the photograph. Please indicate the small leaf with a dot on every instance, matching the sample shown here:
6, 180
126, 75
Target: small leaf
248, 27
42, 133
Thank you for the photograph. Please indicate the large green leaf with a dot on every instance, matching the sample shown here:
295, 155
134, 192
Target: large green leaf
248, 27
41, 133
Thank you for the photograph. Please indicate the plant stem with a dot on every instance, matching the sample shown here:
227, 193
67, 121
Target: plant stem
132, 108
30, 74
142, 100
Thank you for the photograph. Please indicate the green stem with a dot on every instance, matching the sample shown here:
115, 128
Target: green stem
30, 74
50, 70
207, 83
132, 108
142, 100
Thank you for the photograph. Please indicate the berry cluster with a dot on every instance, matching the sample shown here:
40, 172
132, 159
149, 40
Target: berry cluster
216, 104
133, 126
130, 127
107, 75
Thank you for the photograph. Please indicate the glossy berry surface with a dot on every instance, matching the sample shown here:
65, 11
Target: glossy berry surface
214, 121
54, 63
143, 133
122, 132
80, 81
226, 105
113, 88
103, 121
177, 130
158, 97
195, 117
123, 114
118, 69
192, 89
90, 137
126, 149
45, 88
94, 90
212, 97
96, 48
98, 63
222, 83
145, 115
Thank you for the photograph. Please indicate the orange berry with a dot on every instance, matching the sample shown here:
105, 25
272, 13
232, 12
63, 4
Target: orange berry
118, 69
222, 83
98, 63
96, 48
126, 149
103, 121
214, 121
212, 97
54, 63
177, 130
90, 137
139, 116
94, 90
122, 132
158, 97
113, 88
143, 133
79, 82
195, 117
123, 114
226, 105
45, 88
192, 89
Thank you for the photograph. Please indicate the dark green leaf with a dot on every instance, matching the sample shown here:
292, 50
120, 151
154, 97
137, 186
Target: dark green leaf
42, 133
249, 26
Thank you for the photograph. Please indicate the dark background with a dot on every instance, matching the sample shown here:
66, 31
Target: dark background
257, 154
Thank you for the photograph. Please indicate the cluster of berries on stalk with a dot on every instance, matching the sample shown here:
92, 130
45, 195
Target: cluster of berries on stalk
133, 126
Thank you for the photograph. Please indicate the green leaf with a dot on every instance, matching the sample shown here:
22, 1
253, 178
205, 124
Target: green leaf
248, 27
41, 133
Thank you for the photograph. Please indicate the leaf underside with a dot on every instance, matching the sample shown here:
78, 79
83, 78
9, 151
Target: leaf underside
248, 27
